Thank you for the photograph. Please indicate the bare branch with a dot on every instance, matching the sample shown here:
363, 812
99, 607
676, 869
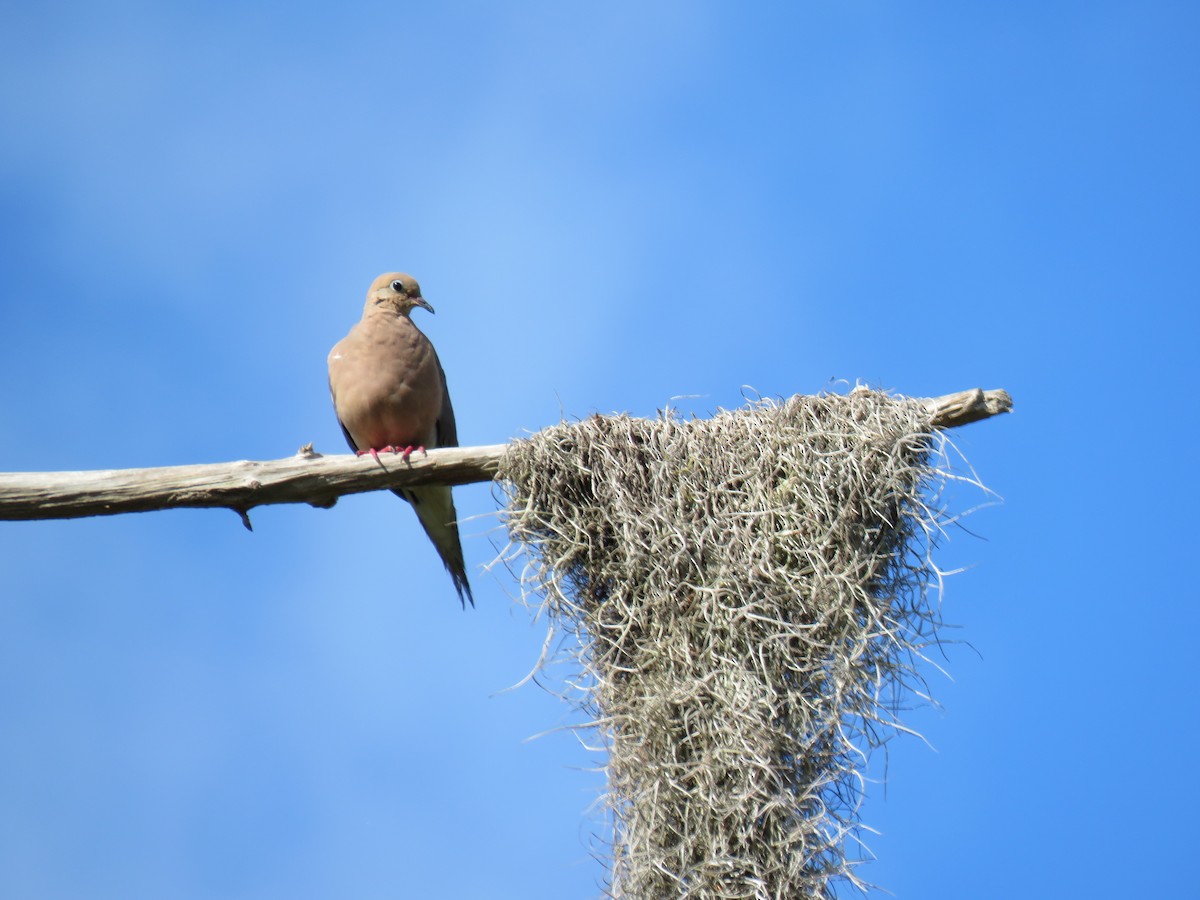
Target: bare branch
966, 407
308, 477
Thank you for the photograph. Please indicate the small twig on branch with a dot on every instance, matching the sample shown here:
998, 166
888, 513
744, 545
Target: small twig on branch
308, 477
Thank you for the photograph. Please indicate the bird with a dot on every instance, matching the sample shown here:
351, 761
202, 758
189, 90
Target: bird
389, 393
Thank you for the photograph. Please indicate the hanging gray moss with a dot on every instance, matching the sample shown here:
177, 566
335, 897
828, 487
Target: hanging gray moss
750, 594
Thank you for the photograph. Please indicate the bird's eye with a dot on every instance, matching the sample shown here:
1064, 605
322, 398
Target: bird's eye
398, 287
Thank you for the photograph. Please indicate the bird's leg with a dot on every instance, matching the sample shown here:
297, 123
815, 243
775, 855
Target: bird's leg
374, 453
410, 450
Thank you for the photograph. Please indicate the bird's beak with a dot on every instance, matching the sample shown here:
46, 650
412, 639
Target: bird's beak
422, 302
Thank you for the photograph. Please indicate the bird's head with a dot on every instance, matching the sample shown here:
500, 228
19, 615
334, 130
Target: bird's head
394, 293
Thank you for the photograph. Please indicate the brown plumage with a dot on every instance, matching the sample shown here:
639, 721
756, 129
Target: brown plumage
389, 393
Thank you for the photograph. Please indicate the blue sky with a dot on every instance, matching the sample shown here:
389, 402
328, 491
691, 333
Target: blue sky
610, 205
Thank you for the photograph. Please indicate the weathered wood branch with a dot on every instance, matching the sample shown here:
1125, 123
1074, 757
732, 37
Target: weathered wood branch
966, 407
307, 477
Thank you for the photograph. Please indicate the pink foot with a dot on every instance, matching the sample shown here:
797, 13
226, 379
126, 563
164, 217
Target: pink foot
404, 452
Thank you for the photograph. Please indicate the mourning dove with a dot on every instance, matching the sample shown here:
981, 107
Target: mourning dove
389, 393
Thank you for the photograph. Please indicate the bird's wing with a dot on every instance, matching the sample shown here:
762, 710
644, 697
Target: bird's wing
447, 430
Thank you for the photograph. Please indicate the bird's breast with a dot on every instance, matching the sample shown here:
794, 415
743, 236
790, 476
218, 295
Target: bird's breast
387, 385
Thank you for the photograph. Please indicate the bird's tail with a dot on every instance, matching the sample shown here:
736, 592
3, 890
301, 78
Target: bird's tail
435, 508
